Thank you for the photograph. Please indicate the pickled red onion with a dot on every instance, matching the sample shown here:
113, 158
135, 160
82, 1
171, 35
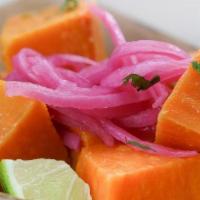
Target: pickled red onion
111, 24
145, 118
75, 118
125, 137
71, 61
65, 99
93, 97
71, 140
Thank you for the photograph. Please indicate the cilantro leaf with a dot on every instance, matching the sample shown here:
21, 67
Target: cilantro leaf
140, 82
196, 66
69, 5
141, 146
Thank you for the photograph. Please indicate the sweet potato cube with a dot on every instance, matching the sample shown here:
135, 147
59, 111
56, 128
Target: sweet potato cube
178, 123
120, 173
26, 131
53, 31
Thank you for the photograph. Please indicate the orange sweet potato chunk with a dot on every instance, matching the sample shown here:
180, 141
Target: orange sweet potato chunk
87, 139
26, 131
54, 31
120, 173
178, 123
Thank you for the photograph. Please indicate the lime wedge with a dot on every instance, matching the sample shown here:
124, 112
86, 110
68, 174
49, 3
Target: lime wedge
42, 179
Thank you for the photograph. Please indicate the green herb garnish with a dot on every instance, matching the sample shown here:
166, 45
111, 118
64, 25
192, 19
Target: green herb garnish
141, 146
140, 82
196, 66
69, 5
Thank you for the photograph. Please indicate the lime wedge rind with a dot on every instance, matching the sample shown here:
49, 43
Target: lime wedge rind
7, 179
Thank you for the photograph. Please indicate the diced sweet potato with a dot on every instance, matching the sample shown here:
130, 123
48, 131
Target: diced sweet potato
120, 173
26, 131
87, 139
178, 123
54, 31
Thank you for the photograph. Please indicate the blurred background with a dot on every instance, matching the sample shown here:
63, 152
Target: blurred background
179, 19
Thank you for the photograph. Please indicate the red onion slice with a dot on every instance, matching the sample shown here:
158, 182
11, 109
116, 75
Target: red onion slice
70, 61
125, 137
142, 119
111, 25
60, 99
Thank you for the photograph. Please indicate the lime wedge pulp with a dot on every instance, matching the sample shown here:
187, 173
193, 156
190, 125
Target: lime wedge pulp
42, 179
